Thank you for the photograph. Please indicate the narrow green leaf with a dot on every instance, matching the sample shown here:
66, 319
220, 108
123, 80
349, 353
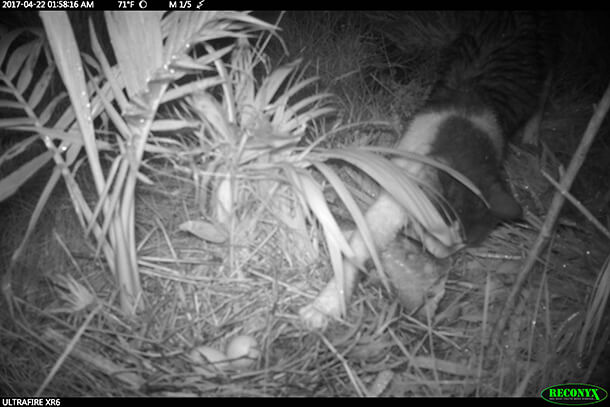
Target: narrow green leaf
11, 183
189, 88
113, 114
404, 189
335, 240
41, 86
301, 104
145, 179
17, 149
297, 87
214, 114
173, 125
185, 62
317, 204
67, 56
272, 83
428, 161
212, 57
106, 201
27, 72
137, 43
112, 79
6, 40
302, 120
50, 109
363, 227
17, 60
67, 137
9, 104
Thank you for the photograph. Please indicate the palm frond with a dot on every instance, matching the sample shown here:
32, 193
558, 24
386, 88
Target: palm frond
400, 185
361, 224
17, 77
11, 183
138, 46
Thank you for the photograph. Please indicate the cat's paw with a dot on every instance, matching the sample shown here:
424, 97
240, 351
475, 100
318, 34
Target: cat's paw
325, 307
312, 318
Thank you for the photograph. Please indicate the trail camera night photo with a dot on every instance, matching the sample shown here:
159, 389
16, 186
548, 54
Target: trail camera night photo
303, 203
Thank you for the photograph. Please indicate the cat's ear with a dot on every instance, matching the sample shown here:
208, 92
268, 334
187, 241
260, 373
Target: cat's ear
502, 204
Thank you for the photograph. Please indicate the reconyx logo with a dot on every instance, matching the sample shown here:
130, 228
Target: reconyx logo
574, 394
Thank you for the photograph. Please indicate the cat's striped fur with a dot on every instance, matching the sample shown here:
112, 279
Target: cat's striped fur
490, 80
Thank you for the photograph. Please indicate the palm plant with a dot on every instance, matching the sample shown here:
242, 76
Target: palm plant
249, 122
152, 53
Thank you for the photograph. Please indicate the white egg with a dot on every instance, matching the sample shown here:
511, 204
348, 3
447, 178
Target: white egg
204, 355
243, 351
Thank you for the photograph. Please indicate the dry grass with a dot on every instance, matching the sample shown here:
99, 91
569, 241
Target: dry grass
193, 297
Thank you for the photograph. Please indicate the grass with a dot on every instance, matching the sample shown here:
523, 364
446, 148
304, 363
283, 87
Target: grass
192, 296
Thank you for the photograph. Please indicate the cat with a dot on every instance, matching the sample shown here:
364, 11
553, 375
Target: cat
491, 78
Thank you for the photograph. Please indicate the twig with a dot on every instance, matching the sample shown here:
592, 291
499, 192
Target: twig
551, 218
360, 388
69, 348
585, 212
